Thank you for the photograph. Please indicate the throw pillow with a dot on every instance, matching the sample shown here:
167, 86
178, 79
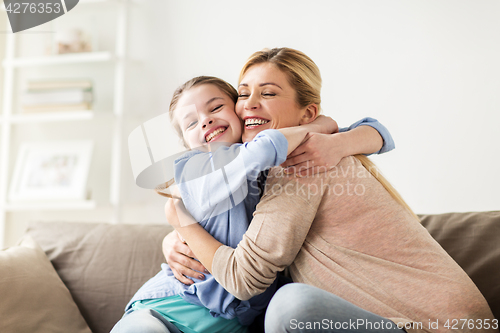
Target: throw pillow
34, 299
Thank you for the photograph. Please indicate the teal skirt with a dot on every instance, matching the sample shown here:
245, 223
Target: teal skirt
190, 318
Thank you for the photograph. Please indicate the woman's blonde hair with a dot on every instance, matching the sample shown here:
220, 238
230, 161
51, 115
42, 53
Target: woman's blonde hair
225, 87
305, 78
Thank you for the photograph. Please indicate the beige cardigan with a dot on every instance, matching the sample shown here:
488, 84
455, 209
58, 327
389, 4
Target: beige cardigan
341, 231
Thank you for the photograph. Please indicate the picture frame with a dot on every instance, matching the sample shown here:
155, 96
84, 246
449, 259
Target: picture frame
51, 171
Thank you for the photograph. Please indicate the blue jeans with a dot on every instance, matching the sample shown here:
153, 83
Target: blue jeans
144, 321
298, 307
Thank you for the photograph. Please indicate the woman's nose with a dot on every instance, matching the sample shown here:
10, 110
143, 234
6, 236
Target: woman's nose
252, 102
207, 121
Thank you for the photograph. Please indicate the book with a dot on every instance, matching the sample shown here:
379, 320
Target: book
55, 107
57, 96
59, 84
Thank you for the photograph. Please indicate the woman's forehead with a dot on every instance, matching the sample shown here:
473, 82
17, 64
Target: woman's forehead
264, 73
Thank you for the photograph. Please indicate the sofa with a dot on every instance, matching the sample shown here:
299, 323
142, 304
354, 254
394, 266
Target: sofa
78, 277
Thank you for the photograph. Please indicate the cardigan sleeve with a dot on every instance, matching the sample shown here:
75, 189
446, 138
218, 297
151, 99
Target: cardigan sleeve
275, 236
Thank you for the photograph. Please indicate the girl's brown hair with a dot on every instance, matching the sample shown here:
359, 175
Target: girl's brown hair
194, 82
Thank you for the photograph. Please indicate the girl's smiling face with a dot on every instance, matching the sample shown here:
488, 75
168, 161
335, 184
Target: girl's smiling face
266, 100
206, 114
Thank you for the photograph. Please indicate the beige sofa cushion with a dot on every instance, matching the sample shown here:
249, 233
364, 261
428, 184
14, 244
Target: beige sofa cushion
34, 299
102, 265
473, 240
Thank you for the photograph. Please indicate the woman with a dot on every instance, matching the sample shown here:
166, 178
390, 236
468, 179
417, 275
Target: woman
345, 232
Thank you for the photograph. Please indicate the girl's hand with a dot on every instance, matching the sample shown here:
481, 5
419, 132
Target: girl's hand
181, 259
319, 153
325, 125
171, 213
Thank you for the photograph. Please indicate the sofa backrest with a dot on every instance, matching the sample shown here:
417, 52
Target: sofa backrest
103, 265
473, 241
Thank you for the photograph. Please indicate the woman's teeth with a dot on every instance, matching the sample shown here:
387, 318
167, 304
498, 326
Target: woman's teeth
214, 133
252, 122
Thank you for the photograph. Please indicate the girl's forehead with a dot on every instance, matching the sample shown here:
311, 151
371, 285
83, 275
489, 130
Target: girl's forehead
200, 95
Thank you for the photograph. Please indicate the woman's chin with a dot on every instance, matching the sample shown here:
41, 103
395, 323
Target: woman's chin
245, 137
249, 134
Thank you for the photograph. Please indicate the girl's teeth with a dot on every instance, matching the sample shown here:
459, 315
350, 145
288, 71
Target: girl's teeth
214, 133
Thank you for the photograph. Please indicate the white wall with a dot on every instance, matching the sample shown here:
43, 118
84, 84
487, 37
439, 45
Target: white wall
426, 69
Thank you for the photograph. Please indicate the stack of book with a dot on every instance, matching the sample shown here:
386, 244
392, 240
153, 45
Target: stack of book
57, 95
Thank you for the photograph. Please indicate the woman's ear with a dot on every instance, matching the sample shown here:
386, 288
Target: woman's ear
311, 112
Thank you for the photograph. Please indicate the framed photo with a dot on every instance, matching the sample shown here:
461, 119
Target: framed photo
51, 171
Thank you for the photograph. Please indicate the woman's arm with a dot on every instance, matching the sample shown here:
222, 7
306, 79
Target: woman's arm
322, 152
201, 241
275, 236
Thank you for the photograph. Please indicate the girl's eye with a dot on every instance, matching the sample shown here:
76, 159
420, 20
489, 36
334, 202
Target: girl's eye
242, 95
191, 124
269, 94
217, 108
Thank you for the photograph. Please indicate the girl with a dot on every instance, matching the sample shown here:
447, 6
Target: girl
202, 112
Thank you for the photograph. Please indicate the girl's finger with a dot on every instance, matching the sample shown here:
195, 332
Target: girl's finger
312, 171
300, 167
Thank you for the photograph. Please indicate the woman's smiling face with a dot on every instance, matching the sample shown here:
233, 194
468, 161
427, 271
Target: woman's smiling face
266, 100
206, 114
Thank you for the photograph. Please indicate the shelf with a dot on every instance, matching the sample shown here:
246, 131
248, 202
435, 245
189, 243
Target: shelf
47, 117
56, 205
73, 58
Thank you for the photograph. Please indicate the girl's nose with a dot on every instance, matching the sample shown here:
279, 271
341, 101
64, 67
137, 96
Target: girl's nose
206, 122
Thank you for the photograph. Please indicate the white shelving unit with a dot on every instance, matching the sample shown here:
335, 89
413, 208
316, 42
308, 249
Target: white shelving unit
9, 119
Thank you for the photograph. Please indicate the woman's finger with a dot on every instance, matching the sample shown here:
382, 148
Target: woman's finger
180, 259
192, 266
187, 267
181, 277
185, 250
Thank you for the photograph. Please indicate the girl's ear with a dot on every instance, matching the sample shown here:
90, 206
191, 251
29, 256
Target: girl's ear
310, 114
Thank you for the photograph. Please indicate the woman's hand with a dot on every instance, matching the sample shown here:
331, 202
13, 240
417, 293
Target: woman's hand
181, 259
319, 153
179, 256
